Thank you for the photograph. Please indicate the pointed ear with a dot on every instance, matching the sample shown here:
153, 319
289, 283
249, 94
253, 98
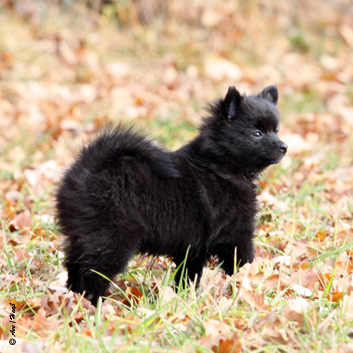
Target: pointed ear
232, 102
270, 93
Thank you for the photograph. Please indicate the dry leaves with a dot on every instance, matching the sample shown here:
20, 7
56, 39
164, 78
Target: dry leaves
59, 83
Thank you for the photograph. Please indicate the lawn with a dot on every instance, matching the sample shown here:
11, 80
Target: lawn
66, 71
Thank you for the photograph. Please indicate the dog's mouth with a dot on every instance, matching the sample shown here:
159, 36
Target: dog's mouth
266, 159
277, 159
274, 159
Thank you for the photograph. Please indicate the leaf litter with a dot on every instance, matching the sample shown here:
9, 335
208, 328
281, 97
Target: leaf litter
59, 84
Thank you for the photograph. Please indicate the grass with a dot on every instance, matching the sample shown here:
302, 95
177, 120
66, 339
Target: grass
304, 227
160, 320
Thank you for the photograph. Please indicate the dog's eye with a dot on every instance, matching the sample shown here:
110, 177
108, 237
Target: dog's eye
257, 133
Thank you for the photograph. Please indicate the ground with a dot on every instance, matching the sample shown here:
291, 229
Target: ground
67, 71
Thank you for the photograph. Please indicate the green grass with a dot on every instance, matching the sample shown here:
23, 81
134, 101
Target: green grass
308, 197
302, 102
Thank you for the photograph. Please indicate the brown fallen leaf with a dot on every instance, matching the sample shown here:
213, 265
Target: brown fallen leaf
133, 294
22, 305
346, 348
256, 300
321, 235
295, 310
227, 346
346, 306
221, 344
23, 220
42, 325
216, 329
335, 297
269, 328
308, 278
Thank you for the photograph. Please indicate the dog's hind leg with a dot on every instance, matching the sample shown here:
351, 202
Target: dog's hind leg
192, 268
73, 268
95, 262
97, 268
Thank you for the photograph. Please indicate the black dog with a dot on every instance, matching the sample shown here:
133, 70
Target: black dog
125, 195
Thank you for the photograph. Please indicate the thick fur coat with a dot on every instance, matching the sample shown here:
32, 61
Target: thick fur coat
123, 194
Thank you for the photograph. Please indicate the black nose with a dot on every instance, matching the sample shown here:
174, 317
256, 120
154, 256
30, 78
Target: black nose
283, 147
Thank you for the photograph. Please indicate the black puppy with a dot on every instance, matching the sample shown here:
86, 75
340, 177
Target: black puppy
125, 195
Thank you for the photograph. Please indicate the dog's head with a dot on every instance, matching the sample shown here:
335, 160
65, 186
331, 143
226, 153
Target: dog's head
246, 128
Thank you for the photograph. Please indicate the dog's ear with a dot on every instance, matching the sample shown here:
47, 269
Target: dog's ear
232, 102
270, 93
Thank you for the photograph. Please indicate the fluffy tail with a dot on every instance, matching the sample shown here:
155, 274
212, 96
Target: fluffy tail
73, 208
117, 142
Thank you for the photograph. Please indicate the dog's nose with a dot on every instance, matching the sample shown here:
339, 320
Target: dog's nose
283, 147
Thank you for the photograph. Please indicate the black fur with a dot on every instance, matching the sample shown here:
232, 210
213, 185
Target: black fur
125, 195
